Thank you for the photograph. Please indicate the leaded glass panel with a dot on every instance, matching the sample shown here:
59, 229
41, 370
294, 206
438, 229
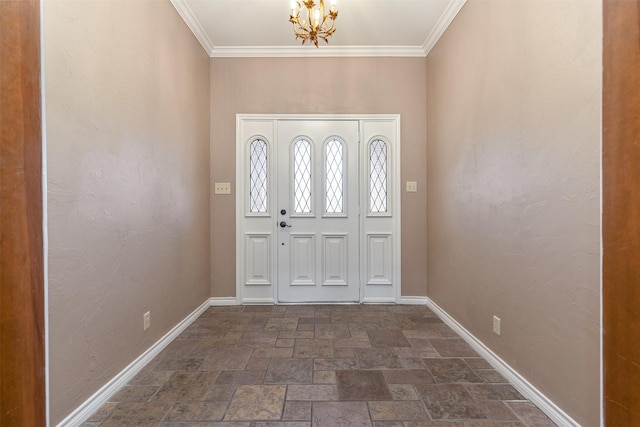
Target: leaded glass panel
258, 176
302, 176
378, 176
334, 158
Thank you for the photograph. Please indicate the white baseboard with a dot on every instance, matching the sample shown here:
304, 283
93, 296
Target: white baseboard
99, 398
518, 381
414, 300
378, 300
218, 301
267, 301
91, 405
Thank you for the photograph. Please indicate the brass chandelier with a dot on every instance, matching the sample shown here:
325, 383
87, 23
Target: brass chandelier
317, 24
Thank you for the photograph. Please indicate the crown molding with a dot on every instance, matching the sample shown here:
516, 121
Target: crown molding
441, 26
187, 15
445, 20
312, 52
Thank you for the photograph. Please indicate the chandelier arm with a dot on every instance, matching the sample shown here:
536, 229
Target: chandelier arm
300, 31
309, 16
321, 7
324, 19
295, 31
333, 23
331, 30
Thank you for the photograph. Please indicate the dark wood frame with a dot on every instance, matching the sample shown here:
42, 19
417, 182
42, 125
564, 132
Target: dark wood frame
621, 212
22, 337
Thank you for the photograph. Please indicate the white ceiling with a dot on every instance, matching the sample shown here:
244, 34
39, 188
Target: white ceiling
363, 27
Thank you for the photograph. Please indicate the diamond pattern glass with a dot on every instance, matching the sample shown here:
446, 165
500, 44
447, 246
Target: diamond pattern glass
258, 179
302, 176
333, 180
378, 176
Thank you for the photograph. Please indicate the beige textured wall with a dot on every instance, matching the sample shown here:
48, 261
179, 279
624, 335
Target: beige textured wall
127, 116
322, 86
513, 91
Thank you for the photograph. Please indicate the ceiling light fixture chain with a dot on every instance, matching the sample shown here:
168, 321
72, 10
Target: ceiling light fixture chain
317, 24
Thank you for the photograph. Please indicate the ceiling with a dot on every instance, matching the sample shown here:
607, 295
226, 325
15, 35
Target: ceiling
363, 28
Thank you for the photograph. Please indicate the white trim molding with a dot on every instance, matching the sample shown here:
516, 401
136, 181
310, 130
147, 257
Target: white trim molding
194, 25
414, 300
220, 301
91, 405
441, 26
375, 300
322, 52
259, 301
99, 398
370, 126
333, 51
527, 389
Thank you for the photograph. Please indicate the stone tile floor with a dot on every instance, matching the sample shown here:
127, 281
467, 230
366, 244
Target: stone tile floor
318, 365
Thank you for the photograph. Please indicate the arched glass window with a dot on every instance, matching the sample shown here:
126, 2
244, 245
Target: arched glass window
302, 176
378, 176
258, 176
334, 170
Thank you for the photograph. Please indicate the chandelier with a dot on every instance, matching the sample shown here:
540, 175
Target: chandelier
317, 24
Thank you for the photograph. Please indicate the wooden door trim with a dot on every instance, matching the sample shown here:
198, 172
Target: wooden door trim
22, 327
621, 212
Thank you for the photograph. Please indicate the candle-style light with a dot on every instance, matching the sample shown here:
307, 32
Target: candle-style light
320, 25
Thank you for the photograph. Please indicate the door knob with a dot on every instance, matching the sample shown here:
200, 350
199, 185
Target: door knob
284, 224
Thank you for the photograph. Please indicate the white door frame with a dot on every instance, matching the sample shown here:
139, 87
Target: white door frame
262, 287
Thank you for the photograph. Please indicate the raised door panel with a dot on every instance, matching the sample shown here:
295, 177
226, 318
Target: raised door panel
335, 260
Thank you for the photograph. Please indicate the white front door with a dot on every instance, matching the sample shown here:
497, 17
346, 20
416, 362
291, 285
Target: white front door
317, 211
333, 183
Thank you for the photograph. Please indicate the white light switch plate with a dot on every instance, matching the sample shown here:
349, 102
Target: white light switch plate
496, 325
146, 320
222, 188
412, 186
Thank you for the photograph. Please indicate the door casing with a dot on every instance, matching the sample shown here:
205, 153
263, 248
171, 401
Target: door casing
23, 345
372, 230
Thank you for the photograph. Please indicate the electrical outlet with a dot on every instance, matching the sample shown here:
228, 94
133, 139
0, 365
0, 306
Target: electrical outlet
496, 325
412, 186
146, 320
222, 188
